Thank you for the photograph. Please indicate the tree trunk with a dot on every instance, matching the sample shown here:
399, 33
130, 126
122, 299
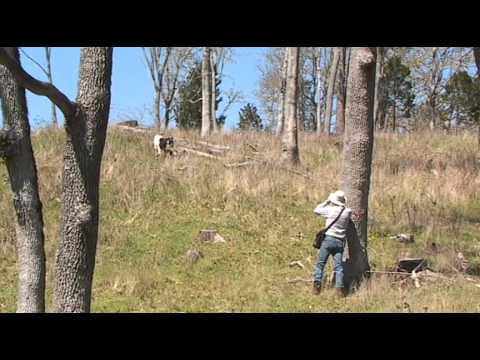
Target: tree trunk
85, 140
331, 89
213, 82
319, 94
357, 158
476, 55
394, 117
378, 87
206, 94
167, 116
48, 53
340, 117
22, 172
158, 118
289, 146
281, 111
433, 114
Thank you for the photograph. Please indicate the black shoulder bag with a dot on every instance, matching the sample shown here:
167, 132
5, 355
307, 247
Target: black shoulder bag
321, 234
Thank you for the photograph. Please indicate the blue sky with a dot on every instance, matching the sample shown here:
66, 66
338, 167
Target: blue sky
132, 90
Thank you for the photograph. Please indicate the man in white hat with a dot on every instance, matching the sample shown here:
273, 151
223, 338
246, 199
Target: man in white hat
334, 210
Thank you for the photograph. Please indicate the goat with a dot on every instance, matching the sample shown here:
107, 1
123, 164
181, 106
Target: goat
163, 144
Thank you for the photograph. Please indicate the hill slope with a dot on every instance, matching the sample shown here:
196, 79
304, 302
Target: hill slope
153, 208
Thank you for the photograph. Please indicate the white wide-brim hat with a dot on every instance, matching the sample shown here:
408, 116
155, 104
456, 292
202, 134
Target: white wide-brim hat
337, 198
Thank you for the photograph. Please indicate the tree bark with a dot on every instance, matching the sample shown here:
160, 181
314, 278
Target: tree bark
281, 106
206, 93
476, 55
158, 118
85, 140
331, 89
378, 102
341, 96
319, 94
22, 172
213, 81
289, 145
357, 157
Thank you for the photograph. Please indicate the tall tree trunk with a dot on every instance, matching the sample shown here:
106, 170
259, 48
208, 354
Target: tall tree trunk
22, 172
476, 55
158, 117
341, 94
394, 117
206, 93
48, 56
378, 102
433, 114
331, 89
289, 147
357, 157
319, 94
281, 111
86, 132
213, 83
167, 117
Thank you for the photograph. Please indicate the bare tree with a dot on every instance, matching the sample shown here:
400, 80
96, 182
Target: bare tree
341, 92
476, 55
379, 107
289, 145
213, 91
281, 106
86, 128
15, 145
157, 59
319, 93
357, 156
206, 93
177, 60
48, 72
331, 88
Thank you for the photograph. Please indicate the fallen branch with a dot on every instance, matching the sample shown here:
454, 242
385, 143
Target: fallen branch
252, 147
218, 147
241, 164
199, 153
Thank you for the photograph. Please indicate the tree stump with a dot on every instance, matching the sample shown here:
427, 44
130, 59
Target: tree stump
410, 264
207, 235
210, 236
193, 255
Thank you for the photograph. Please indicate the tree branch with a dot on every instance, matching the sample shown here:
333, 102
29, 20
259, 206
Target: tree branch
34, 61
37, 87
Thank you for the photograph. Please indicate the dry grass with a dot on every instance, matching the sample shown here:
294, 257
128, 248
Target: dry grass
152, 208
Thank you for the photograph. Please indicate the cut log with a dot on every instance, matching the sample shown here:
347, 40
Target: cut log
411, 264
134, 129
129, 123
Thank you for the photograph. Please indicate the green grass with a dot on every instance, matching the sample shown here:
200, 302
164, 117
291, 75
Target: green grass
151, 213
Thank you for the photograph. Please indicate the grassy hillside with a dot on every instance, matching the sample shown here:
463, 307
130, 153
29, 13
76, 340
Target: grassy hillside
152, 209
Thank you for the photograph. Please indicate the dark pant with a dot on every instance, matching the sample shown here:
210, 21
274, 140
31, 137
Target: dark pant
330, 246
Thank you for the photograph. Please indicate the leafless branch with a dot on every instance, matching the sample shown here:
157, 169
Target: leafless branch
36, 86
